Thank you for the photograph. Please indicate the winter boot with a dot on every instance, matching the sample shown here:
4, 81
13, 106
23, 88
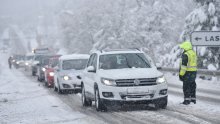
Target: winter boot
186, 102
193, 101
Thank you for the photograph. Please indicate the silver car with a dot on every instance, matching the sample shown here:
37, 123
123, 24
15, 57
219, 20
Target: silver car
66, 76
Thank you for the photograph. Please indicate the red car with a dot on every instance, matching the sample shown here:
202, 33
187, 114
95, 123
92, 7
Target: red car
49, 72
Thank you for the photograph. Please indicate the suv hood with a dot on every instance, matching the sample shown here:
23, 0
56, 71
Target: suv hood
130, 73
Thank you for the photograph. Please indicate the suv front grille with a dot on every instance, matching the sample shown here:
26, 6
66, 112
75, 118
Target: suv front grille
136, 82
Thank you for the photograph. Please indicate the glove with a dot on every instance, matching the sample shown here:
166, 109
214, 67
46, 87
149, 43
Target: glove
181, 78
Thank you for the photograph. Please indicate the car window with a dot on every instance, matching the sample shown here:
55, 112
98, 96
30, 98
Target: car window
29, 57
59, 65
90, 60
76, 64
126, 60
45, 61
94, 62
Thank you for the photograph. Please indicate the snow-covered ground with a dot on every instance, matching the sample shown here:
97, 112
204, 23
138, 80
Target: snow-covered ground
24, 100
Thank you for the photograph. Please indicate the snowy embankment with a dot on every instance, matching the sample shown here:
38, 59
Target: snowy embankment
23, 101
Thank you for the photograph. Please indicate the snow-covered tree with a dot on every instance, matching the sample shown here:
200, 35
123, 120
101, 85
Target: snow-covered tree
154, 25
206, 17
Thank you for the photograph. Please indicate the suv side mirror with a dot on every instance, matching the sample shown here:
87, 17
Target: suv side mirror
91, 69
56, 68
158, 65
78, 77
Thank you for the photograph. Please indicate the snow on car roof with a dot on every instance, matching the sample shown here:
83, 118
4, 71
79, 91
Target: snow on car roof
74, 56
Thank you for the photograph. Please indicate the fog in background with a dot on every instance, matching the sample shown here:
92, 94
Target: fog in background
82, 26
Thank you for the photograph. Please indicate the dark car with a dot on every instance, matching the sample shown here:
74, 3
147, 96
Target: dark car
18, 61
35, 63
39, 54
41, 68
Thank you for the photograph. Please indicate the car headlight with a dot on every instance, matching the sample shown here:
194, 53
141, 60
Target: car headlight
66, 78
43, 69
51, 73
17, 62
26, 63
108, 82
161, 80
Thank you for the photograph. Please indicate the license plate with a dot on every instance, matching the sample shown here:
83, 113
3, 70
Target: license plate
141, 98
137, 91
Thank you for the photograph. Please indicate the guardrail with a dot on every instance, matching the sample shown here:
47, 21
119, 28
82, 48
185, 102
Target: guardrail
200, 71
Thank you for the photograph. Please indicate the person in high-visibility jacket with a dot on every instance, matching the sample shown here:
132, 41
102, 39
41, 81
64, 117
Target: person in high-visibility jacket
188, 71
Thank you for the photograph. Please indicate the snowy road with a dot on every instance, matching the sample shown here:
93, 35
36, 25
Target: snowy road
24, 100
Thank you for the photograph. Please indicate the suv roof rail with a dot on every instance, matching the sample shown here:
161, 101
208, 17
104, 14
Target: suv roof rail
127, 49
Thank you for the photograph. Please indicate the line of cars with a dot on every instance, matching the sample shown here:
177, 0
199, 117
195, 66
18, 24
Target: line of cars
110, 77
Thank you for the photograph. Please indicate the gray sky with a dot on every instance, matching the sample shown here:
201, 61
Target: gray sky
26, 9
25, 12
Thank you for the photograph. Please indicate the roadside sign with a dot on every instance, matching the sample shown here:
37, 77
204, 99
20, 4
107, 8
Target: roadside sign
41, 51
205, 38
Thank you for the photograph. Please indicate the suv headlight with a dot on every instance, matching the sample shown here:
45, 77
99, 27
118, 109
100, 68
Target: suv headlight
66, 78
161, 80
108, 82
51, 73
43, 69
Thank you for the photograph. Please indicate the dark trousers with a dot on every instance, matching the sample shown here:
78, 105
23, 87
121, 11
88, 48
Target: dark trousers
189, 90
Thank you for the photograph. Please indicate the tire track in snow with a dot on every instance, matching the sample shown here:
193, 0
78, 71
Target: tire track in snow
119, 117
185, 117
74, 102
109, 117
202, 116
176, 92
198, 90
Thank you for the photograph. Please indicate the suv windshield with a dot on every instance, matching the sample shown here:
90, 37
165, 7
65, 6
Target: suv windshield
38, 57
54, 62
126, 60
77, 64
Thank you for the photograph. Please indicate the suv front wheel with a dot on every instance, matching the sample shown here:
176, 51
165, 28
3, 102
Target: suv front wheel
161, 103
59, 90
85, 101
98, 103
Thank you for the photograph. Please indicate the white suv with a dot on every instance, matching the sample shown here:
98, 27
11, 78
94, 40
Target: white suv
122, 76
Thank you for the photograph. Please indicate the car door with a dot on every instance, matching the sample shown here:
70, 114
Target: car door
89, 76
57, 73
